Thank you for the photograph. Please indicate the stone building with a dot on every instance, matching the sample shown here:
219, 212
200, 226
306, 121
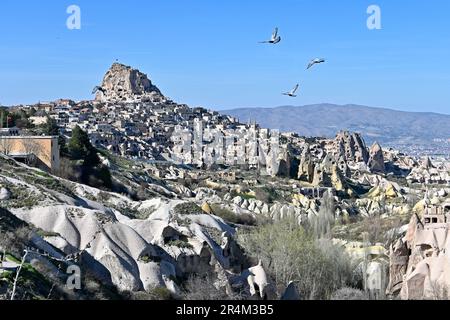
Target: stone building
436, 215
41, 151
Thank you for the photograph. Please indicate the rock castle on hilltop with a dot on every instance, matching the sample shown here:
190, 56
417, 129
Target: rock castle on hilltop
123, 83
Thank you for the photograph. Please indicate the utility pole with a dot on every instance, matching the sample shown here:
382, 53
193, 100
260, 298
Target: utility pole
365, 264
2, 114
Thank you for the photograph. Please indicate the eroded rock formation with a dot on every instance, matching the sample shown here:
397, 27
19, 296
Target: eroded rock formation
123, 83
376, 159
419, 267
351, 146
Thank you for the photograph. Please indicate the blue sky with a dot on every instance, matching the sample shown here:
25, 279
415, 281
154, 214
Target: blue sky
205, 52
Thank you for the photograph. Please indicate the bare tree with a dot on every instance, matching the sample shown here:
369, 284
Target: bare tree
366, 261
440, 291
290, 253
347, 294
324, 221
6, 145
18, 274
14, 241
203, 288
31, 147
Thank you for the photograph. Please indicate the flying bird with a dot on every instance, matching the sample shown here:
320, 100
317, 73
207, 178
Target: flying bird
98, 88
275, 38
292, 92
315, 61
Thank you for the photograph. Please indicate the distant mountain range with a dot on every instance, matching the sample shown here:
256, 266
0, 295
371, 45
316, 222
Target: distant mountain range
389, 127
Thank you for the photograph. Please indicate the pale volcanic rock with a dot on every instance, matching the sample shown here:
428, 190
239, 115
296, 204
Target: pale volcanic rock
123, 83
420, 267
351, 146
258, 282
306, 167
376, 159
426, 163
4, 194
427, 172
131, 253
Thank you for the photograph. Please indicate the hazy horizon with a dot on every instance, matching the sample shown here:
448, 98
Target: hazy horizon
331, 104
281, 106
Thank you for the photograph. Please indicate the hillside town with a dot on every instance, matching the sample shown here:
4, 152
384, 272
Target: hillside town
131, 118
156, 193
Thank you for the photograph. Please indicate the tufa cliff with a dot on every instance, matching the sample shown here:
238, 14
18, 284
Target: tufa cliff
123, 83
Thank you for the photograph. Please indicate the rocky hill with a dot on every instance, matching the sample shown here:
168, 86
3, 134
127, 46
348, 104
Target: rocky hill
389, 127
123, 83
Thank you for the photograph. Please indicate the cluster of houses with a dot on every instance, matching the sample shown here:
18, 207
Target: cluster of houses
138, 130
148, 131
162, 130
436, 216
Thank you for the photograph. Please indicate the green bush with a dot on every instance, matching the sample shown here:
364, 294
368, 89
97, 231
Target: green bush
148, 259
180, 244
246, 196
230, 216
159, 293
79, 144
188, 208
267, 194
43, 233
86, 166
50, 127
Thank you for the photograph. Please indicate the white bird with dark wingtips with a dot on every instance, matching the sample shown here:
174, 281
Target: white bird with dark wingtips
293, 91
275, 38
315, 61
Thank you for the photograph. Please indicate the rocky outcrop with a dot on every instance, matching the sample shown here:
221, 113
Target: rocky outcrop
260, 287
420, 268
429, 173
306, 166
123, 83
4, 194
376, 159
232, 252
372, 263
426, 163
162, 241
282, 164
398, 262
351, 146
